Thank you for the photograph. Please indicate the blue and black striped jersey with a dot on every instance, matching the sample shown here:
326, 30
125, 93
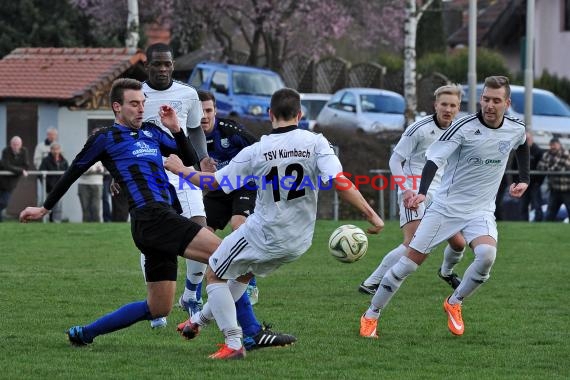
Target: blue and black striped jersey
134, 159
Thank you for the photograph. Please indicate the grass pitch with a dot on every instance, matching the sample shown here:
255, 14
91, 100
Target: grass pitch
517, 326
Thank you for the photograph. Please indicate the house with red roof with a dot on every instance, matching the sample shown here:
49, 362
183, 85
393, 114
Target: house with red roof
65, 88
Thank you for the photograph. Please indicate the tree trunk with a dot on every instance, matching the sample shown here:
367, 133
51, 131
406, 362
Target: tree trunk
133, 36
410, 29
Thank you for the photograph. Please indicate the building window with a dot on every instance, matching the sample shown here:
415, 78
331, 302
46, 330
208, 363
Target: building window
567, 15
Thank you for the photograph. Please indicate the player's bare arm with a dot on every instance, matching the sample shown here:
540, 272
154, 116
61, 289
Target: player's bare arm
32, 213
203, 180
168, 118
355, 198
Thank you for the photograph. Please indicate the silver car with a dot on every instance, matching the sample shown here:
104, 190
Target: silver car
368, 110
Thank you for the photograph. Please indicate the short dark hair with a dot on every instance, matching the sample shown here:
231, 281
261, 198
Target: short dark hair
285, 104
554, 140
157, 48
117, 93
204, 96
499, 81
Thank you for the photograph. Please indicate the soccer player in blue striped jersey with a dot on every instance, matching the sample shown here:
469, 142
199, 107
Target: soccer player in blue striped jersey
132, 151
407, 161
476, 149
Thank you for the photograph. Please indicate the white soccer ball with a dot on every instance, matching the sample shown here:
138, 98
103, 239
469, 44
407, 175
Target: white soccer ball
348, 243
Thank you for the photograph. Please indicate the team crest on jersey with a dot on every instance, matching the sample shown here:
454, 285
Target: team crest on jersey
177, 105
225, 143
147, 133
144, 149
504, 147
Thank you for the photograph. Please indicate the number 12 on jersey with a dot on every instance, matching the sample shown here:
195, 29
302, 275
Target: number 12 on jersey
291, 181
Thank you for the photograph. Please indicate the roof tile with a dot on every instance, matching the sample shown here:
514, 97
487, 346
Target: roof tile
62, 74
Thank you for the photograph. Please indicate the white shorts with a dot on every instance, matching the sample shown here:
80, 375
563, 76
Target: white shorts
191, 201
236, 257
407, 215
436, 228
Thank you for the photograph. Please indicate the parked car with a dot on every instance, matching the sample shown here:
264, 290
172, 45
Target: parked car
241, 91
312, 104
550, 114
368, 110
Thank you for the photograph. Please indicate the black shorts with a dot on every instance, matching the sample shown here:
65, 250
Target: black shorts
220, 207
161, 235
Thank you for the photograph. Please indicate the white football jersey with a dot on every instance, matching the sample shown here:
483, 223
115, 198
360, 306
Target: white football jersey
413, 146
183, 98
286, 167
476, 158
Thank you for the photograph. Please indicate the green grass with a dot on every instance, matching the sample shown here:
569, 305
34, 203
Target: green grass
517, 325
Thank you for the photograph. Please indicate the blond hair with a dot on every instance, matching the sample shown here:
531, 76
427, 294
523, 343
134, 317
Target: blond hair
449, 89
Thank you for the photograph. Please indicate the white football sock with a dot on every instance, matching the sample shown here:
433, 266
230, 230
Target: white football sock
476, 274
388, 261
224, 311
390, 284
195, 274
450, 259
237, 289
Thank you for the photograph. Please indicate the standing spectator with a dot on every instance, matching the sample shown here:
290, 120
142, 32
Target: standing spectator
14, 159
54, 161
119, 207
43, 148
556, 159
89, 190
106, 195
533, 195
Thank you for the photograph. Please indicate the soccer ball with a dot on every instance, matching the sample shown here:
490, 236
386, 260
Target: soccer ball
348, 243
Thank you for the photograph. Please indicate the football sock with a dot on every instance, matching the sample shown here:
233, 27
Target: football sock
222, 305
204, 316
253, 281
476, 274
392, 280
245, 316
233, 338
450, 258
194, 276
388, 261
123, 317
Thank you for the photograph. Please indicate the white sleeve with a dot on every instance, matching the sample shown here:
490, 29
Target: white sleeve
238, 172
406, 146
194, 113
395, 164
328, 163
440, 150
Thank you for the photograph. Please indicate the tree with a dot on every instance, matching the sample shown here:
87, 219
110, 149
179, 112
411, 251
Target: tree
270, 31
40, 23
413, 16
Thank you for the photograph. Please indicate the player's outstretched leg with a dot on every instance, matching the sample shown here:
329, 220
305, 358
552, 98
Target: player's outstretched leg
370, 285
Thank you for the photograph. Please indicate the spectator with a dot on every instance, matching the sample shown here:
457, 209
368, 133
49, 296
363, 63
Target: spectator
14, 159
90, 190
533, 196
119, 207
556, 159
43, 148
106, 195
54, 161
